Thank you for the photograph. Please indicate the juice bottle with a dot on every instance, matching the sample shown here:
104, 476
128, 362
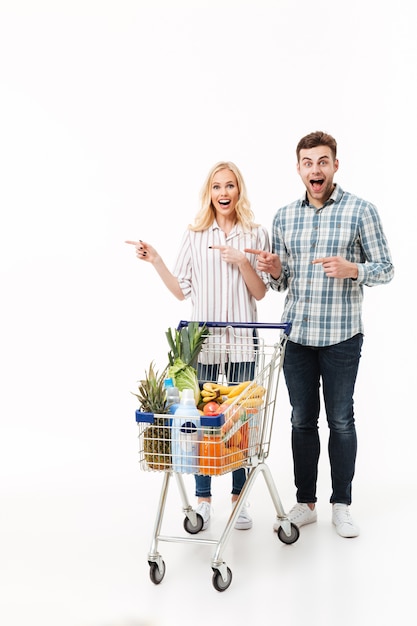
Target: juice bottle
211, 449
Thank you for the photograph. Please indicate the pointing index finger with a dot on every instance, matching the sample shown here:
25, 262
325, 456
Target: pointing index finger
253, 251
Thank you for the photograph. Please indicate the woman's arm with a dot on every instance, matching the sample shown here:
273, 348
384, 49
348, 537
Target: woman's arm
253, 281
145, 252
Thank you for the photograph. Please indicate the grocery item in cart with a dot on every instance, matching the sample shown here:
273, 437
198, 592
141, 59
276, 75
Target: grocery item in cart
157, 442
156, 437
173, 396
186, 434
211, 448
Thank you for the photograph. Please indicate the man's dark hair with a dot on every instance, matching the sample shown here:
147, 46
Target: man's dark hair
318, 138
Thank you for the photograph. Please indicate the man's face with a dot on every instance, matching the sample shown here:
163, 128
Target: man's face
317, 167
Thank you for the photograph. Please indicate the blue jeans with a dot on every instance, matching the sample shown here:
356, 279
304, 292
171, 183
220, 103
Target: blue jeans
237, 372
337, 367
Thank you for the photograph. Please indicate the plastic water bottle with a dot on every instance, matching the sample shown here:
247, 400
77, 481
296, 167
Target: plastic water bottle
186, 434
173, 395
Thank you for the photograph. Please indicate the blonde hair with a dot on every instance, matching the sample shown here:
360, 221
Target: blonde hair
206, 215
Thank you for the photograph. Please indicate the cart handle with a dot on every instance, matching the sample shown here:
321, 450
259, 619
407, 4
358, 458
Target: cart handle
284, 326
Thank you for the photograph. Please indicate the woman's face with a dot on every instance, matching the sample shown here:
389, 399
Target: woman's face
224, 193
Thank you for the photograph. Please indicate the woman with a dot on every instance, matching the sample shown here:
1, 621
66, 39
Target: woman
222, 281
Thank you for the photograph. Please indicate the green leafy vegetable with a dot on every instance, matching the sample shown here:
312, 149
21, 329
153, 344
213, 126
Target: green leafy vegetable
185, 346
185, 377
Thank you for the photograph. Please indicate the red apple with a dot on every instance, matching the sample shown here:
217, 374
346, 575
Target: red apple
211, 408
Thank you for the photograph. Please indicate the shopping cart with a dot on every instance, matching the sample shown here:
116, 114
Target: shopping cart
239, 436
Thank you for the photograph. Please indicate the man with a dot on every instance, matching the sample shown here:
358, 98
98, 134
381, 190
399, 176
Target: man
325, 248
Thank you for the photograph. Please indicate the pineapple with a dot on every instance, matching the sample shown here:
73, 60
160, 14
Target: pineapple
152, 394
157, 445
157, 436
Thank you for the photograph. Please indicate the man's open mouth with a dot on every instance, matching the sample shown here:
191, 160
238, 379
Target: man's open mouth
316, 184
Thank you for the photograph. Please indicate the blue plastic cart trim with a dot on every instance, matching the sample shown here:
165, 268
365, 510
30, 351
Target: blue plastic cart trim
284, 326
212, 420
142, 416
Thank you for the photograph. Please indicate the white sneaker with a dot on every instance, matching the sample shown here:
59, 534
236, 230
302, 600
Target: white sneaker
300, 515
204, 509
345, 526
244, 520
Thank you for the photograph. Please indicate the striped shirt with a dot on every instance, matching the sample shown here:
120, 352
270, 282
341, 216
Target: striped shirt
217, 289
324, 310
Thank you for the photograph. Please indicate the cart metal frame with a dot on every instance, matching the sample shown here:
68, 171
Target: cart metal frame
267, 371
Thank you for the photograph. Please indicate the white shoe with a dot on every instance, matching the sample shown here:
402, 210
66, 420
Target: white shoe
204, 509
300, 515
345, 526
244, 520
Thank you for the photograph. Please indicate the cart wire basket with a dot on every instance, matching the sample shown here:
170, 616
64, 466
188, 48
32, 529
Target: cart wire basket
239, 369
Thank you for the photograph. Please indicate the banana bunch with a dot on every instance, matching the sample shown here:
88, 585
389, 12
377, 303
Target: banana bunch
251, 402
214, 392
252, 394
236, 390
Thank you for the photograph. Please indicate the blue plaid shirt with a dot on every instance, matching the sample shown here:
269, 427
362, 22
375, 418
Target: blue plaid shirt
324, 310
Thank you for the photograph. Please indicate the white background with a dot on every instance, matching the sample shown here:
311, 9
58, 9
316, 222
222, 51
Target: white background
111, 114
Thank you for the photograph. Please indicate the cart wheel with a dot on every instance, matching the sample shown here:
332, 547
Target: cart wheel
190, 528
155, 573
218, 583
295, 533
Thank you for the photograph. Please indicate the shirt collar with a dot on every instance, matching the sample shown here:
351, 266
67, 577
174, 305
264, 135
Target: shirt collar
336, 196
236, 230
